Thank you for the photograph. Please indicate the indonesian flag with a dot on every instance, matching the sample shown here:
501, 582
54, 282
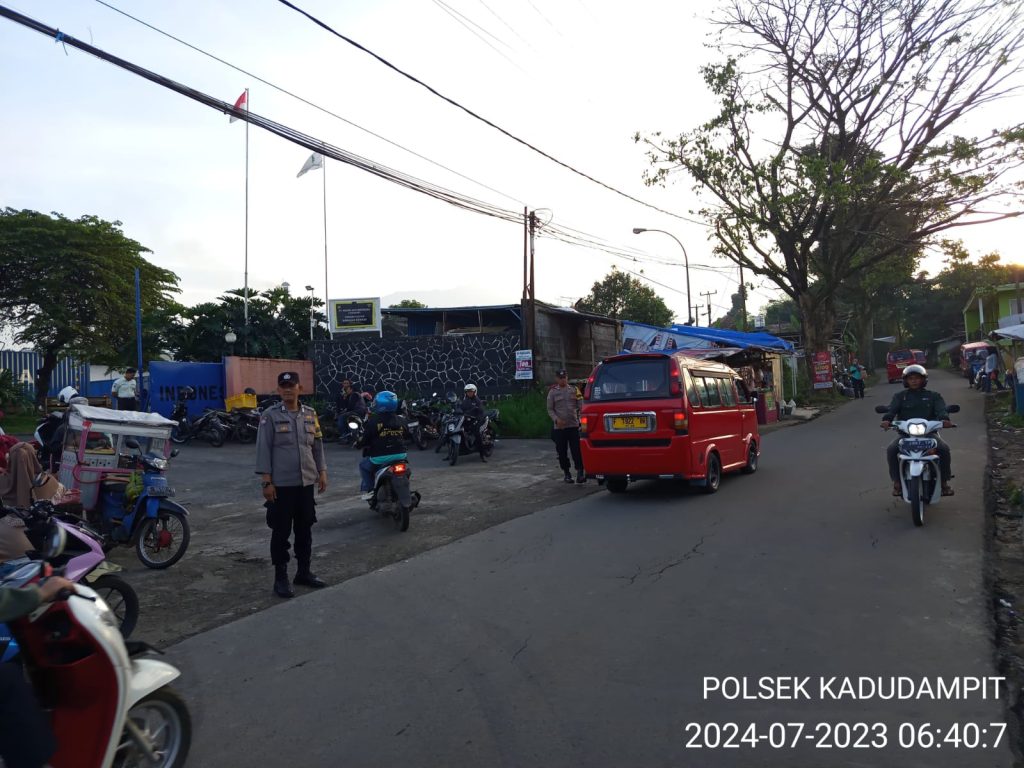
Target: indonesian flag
241, 104
316, 160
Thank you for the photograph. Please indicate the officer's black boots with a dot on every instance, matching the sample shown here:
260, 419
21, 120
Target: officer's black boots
307, 579
281, 586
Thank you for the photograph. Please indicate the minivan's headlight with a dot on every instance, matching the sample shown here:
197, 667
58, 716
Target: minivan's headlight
917, 429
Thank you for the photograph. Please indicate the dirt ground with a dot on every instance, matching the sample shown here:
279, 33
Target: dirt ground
1004, 504
226, 572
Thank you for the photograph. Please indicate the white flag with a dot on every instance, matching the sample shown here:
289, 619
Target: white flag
316, 160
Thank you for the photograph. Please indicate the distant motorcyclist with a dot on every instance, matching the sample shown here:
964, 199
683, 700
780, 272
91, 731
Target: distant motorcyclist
473, 409
347, 403
383, 440
915, 401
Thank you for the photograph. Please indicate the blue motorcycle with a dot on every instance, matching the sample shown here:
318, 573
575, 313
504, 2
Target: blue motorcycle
157, 526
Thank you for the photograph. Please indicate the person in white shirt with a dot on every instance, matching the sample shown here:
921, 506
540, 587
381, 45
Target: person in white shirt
126, 390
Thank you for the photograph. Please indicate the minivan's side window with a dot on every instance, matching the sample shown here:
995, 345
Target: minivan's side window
725, 388
691, 391
709, 396
702, 390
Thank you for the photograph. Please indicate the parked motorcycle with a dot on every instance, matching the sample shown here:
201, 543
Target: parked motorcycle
74, 654
415, 417
392, 496
83, 559
919, 462
207, 427
155, 525
241, 424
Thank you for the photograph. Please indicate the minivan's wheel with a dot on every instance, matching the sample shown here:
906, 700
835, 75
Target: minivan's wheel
453, 453
751, 465
616, 484
161, 721
917, 500
714, 474
121, 599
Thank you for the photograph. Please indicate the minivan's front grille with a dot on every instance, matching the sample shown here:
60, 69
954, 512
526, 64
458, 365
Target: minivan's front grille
632, 442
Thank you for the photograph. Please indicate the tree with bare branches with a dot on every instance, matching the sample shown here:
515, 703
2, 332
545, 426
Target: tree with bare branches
838, 118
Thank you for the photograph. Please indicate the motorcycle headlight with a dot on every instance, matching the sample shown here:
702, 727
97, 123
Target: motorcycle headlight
160, 464
451, 427
917, 430
353, 425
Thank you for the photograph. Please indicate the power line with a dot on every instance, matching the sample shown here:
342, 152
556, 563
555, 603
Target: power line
289, 134
513, 31
305, 101
465, 21
482, 119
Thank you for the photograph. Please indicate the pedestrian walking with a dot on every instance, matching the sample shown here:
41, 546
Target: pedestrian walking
290, 461
126, 390
857, 378
564, 410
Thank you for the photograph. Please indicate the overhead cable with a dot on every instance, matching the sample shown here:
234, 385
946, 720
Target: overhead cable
305, 101
482, 119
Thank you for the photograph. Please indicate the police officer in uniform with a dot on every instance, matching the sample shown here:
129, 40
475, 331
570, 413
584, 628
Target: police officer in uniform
290, 461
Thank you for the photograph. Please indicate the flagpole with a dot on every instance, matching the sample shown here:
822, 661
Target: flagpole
245, 340
327, 290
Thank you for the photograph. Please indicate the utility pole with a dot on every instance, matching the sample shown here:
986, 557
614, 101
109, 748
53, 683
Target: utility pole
708, 295
533, 288
695, 314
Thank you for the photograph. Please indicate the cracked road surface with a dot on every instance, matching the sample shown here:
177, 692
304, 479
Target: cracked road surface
581, 634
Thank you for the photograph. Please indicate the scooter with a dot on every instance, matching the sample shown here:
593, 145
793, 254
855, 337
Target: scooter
207, 427
107, 707
919, 462
157, 526
83, 560
392, 496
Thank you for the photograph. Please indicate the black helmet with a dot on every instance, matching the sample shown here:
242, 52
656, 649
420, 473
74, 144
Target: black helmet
919, 370
248, 391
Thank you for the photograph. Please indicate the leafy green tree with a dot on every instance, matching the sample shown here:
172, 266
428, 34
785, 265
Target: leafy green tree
67, 287
734, 319
833, 119
623, 297
278, 326
408, 304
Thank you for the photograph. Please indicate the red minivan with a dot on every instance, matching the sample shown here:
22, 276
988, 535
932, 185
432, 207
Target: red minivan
666, 416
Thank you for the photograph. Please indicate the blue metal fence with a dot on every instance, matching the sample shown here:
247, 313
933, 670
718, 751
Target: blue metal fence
25, 363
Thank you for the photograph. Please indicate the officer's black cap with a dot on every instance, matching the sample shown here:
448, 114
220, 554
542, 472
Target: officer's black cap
289, 378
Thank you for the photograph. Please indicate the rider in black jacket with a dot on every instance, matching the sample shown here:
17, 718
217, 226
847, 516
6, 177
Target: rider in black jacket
383, 440
473, 409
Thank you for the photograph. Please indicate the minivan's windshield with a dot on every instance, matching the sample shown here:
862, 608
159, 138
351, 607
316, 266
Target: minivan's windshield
638, 379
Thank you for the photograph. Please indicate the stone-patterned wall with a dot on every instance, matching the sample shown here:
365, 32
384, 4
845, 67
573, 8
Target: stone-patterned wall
419, 366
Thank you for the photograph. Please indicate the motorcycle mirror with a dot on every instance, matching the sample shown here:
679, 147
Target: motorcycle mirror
174, 452
131, 442
953, 409
881, 408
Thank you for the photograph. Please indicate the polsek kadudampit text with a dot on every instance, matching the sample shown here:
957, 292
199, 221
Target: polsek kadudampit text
863, 688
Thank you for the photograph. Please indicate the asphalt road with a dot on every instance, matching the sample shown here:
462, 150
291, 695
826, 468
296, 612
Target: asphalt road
582, 634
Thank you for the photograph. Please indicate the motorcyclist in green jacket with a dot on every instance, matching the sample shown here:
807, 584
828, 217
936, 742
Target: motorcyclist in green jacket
918, 402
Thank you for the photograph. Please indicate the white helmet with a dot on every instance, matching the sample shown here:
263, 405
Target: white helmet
470, 388
65, 395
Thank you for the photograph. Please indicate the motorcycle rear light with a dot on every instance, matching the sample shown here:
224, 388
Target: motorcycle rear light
400, 469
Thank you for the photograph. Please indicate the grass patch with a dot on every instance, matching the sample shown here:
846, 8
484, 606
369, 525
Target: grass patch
524, 415
19, 424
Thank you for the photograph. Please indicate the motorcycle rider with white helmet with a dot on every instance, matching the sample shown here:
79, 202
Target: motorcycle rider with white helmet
916, 401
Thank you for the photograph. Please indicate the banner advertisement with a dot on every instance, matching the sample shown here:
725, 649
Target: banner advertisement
350, 315
822, 370
524, 364
646, 338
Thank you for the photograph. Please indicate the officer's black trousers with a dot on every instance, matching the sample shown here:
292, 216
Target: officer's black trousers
568, 440
295, 507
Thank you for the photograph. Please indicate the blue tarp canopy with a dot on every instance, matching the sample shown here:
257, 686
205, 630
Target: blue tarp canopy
734, 338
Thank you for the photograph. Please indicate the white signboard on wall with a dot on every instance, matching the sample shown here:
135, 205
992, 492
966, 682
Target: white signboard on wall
524, 364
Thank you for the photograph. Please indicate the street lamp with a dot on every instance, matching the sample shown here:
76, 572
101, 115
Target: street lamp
311, 326
231, 338
686, 261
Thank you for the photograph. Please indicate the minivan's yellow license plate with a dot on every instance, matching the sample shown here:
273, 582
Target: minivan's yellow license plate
629, 423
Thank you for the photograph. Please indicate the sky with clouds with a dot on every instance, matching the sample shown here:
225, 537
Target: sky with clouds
576, 78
